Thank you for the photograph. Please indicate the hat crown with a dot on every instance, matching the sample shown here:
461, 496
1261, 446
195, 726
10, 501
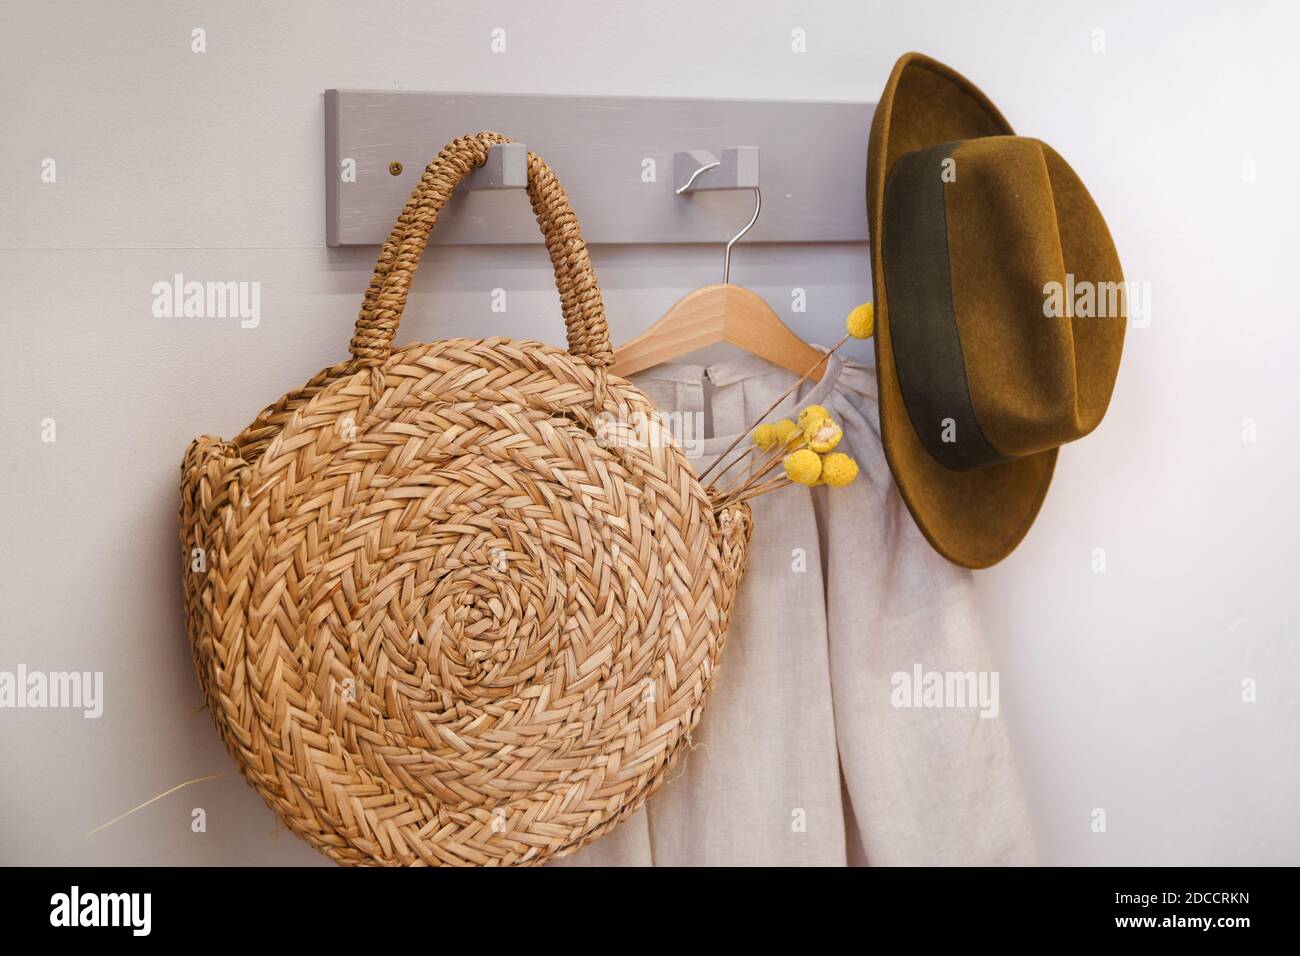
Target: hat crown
1006, 297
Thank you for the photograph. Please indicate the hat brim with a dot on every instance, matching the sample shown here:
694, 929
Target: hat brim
973, 518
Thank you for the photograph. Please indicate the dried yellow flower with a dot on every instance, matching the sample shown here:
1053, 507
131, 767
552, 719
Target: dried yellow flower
838, 469
811, 414
862, 321
822, 435
765, 436
785, 430
803, 467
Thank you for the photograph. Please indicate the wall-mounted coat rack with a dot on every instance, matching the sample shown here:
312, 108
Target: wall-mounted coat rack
621, 159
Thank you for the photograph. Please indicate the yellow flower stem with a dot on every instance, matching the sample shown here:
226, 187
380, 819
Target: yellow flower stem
771, 408
761, 466
764, 464
776, 458
736, 461
757, 490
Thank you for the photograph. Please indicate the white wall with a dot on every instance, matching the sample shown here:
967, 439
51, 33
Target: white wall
1122, 690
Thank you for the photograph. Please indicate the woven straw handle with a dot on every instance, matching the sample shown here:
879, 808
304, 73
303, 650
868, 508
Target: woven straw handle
584, 312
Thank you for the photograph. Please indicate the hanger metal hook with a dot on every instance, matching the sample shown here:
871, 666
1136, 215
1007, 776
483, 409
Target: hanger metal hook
758, 207
726, 256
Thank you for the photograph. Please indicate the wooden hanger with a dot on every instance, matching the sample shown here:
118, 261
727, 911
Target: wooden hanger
719, 313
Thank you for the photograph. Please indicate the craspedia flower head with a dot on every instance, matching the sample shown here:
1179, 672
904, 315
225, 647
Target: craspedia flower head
838, 469
785, 430
803, 467
822, 434
811, 414
862, 321
765, 436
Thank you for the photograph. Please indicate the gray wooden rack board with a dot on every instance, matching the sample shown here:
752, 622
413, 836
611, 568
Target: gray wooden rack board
812, 170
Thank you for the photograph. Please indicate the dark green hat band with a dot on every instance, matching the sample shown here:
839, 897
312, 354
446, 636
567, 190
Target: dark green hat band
922, 325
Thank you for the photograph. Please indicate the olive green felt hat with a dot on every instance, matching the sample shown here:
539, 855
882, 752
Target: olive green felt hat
987, 362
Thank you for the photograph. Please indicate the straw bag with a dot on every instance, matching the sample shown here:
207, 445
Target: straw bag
459, 602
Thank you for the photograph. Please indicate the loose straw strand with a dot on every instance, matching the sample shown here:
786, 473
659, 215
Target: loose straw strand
165, 793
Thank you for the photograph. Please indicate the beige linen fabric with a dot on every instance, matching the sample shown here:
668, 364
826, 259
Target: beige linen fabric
800, 758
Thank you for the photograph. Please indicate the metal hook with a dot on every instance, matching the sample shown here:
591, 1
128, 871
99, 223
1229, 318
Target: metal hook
696, 175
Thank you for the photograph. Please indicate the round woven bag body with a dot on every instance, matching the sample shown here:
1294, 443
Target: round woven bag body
458, 602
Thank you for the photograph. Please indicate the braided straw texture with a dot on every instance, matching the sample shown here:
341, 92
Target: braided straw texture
457, 603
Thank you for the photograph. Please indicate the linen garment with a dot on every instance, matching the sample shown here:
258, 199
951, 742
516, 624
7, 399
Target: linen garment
801, 756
